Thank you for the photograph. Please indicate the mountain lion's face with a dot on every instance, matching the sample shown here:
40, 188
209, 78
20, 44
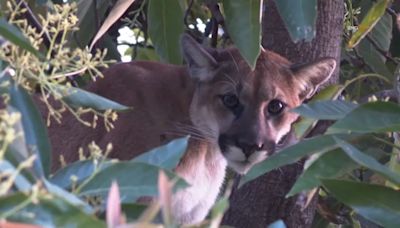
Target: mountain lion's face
247, 112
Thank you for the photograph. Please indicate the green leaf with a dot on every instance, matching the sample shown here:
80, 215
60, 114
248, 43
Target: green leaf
21, 183
291, 154
305, 125
47, 212
134, 180
331, 164
166, 156
15, 36
368, 22
242, 19
165, 25
370, 117
147, 54
381, 35
394, 162
277, 224
326, 110
81, 170
374, 202
299, 17
17, 151
367, 161
35, 130
67, 196
116, 12
80, 98
133, 210
89, 13
373, 58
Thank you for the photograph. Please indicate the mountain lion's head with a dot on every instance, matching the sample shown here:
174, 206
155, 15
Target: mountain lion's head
247, 112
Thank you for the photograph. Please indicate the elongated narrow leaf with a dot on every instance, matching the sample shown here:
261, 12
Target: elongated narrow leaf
245, 32
373, 58
367, 161
371, 117
329, 165
368, 22
299, 17
134, 180
113, 210
292, 154
35, 130
46, 212
376, 203
394, 163
15, 36
90, 13
20, 182
381, 35
67, 196
166, 156
17, 152
119, 8
305, 125
80, 98
325, 110
80, 170
165, 25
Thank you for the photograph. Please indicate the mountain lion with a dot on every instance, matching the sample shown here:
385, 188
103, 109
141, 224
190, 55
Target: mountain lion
236, 116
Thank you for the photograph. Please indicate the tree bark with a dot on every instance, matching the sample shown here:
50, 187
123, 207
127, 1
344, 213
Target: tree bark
262, 201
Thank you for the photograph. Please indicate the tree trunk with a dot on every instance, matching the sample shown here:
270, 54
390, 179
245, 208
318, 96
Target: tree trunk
262, 201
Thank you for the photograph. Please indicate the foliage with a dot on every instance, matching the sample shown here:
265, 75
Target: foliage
354, 165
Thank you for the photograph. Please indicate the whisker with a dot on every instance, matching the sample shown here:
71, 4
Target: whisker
234, 61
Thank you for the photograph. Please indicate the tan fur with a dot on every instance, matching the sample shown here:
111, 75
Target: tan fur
170, 101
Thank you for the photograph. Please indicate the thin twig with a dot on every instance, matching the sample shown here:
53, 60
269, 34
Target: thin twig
34, 22
187, 11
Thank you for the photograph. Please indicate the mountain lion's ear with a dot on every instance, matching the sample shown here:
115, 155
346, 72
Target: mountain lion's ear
201, 64
312, 75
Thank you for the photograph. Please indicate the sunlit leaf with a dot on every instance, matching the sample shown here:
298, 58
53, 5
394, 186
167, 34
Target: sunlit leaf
245, 32
116, 12
368, 22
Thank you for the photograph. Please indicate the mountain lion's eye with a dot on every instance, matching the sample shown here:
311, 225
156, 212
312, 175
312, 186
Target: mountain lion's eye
230, 100
275, 107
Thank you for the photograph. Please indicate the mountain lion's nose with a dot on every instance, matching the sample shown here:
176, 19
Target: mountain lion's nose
249, 148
